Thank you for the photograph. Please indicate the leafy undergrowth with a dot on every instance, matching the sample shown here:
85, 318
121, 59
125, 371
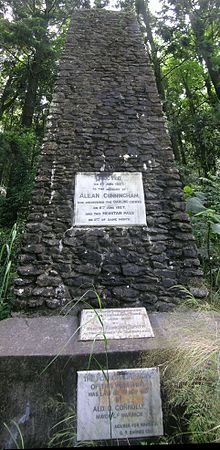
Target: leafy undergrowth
10, 244
190, 380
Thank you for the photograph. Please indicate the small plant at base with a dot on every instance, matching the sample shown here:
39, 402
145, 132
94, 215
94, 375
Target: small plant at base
62, 431
211, 303
80, 300
16, 436
190, 375
190, 301
6, 272
203, 209
66, 434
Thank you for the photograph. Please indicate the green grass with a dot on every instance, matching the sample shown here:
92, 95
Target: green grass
62, 433
6, 270
190, 380
15, 434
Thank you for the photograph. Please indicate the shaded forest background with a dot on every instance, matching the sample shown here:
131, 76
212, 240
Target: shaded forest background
183, 41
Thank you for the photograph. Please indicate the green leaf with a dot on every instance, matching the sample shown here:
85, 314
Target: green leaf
188, 190
194, 205
215, 228
200, 195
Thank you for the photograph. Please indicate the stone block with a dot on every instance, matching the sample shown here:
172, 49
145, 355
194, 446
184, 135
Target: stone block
34, 371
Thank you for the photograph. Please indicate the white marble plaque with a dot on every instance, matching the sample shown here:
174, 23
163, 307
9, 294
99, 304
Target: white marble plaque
103, 198
119, 404
114, 323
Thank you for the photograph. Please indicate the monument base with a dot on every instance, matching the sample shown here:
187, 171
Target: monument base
31, 381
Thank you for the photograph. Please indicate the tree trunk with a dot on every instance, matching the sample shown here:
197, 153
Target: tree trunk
214, 73
31, 93
205, 48
142, 9
9, 95
182, 151
201, 148
41, 54
175, 146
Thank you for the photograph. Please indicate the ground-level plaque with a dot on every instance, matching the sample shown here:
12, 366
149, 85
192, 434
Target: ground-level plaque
114, 323
119, 404
103, 198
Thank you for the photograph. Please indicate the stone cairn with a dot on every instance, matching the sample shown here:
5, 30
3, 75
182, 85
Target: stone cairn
106, 117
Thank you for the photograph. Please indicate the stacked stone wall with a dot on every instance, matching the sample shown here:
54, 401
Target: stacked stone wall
106, 116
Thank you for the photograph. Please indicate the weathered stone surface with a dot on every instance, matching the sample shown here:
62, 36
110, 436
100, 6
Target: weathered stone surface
124, 292
34, 248
47, 280
199, 292
133, 270
29, 270
106, 117
88, 269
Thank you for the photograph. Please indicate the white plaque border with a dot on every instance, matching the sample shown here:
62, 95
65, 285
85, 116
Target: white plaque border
120, 225
144, 420
89, 333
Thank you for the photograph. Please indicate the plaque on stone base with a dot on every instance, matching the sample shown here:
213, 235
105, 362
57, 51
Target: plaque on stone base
109, 199
115, 323
119, 404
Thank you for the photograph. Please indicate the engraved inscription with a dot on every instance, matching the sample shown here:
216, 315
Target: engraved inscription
119, 404
109, 199
115, 323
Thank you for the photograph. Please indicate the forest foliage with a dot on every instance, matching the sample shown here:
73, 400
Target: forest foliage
183, 41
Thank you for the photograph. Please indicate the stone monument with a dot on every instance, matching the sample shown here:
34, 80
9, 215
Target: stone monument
107, 210
108, 220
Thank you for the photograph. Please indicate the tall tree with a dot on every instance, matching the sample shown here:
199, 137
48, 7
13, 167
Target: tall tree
142, 10
31, 36
29, 43
204, 18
